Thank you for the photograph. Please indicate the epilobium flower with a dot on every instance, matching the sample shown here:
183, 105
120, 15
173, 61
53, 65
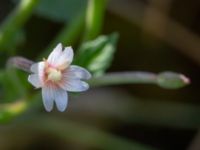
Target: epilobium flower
56, 76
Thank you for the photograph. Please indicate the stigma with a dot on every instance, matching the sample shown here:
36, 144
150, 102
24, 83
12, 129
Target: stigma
54, 75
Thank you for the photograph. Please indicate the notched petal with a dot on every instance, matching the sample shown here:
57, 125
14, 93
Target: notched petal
68, 53
55, 54
66, 57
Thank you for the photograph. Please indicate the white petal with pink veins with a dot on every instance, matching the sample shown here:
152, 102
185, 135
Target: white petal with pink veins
41, 69
61, 99
66, 57
56, 76
74, 85
79, 72
55, 54
48, 98
34, 80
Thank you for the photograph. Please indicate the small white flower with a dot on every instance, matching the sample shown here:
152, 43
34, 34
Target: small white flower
56, 76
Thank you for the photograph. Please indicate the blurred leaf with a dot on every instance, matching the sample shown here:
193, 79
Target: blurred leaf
9, 29
94, 18
12, 86
97, 55
9, 111
60, 10
17, 39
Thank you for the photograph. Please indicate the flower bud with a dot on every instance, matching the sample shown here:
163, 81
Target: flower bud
171, 80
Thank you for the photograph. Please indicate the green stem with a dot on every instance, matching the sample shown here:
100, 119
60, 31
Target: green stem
15, 21
123, 78
94, 18
169, 80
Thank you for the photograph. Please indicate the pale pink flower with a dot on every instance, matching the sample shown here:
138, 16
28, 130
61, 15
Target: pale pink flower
56, 76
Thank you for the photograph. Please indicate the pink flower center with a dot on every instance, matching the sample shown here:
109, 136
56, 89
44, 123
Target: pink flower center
52, 75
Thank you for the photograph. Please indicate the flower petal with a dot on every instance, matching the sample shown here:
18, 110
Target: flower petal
61, 99
35, 67
40, 71
48, 98
34, 80
74, 85
66, 57
55, 54
79, 72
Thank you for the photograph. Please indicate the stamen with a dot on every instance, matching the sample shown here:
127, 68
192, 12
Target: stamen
54, 75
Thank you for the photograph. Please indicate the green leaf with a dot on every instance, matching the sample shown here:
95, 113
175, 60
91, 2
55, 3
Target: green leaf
10, 28
9, 111
60, 10
12, 85
97, 55
18, 38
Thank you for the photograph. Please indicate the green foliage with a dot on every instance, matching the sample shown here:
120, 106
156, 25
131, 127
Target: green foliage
18, 38
60, 10
94, 18
97, 55
13, 85
10, 28
10, 110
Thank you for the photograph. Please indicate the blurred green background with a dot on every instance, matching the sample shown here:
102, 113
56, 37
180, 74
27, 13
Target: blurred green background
127, 35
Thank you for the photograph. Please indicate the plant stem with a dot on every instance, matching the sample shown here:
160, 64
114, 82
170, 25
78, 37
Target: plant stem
94, 18
168, 80
15, 21
124, 78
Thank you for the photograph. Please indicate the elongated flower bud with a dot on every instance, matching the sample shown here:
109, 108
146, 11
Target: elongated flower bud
20, 63
171, 80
